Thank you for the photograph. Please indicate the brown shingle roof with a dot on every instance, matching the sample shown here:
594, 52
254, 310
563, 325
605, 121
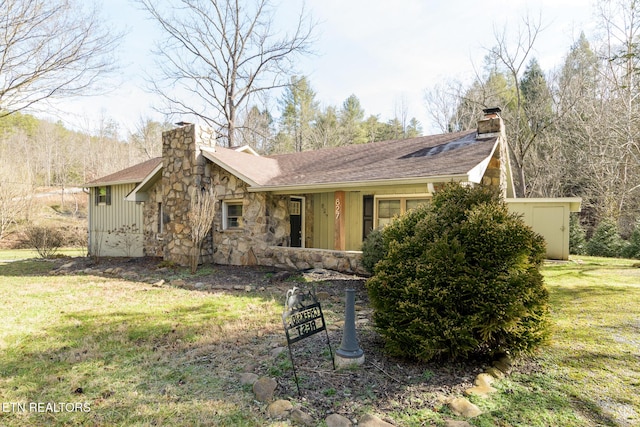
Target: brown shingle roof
133, 174
452, 154
422, 157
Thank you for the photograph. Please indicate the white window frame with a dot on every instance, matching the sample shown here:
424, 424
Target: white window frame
303, 204
225, 213
403, 202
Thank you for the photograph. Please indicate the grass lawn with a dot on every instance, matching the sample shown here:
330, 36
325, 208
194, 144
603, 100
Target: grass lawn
14, 254
128, 353
590, 374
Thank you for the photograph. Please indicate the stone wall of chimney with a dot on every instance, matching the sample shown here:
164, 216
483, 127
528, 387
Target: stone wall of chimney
184, 171
263, 237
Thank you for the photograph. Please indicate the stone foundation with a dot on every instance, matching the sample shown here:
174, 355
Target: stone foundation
349, 262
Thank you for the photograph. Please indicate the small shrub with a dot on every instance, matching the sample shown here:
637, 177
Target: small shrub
605, 242
577, 236
373, 250
460, 278
45, 240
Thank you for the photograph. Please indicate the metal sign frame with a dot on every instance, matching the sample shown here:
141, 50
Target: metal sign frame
302, 318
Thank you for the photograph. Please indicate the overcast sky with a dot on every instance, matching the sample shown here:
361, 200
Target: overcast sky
380, 50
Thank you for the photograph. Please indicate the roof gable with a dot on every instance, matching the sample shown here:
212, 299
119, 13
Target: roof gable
133, 174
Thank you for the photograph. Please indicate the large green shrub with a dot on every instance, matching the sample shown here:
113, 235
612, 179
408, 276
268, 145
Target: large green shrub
460, 278
606, 240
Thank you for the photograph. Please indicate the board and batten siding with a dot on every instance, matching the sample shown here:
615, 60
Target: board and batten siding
323, 213
115, 229
548, 217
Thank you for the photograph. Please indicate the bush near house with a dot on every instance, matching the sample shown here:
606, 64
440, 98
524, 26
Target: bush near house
373, 250
460, 278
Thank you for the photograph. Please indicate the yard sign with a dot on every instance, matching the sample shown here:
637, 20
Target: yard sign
302, 318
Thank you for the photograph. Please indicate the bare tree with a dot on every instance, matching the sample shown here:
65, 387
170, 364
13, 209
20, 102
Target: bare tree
147, 137
201, 213
15, 195
449, 108
513, 54
50, 49
218, 55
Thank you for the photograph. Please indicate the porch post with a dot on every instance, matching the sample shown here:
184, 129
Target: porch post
339, 215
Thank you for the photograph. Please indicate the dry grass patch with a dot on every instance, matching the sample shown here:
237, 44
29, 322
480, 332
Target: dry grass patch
138, 354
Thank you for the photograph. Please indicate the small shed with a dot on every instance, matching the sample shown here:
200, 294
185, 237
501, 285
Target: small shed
548, 217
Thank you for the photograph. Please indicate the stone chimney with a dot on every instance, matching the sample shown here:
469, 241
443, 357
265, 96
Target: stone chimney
491, 125
184, 170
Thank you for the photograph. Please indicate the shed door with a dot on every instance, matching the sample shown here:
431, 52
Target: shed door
549, 222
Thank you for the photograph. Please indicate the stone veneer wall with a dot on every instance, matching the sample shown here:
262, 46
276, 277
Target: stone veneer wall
153, 241
263, 237
306, 258
184, 170
265, 222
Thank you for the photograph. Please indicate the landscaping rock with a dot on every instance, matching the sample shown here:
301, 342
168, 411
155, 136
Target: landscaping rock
461, 406
322, 296
279, 409
302, 418
337, 420
506, 360
277, 351
455, 423
248, 378
480, 391
67, 266
372, 421
504, 368
484, 379
264, 389
280, 276
131, 275
177, 282
495, 372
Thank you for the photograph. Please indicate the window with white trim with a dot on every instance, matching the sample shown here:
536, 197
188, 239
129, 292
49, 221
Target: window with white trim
389, 207
232, 214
